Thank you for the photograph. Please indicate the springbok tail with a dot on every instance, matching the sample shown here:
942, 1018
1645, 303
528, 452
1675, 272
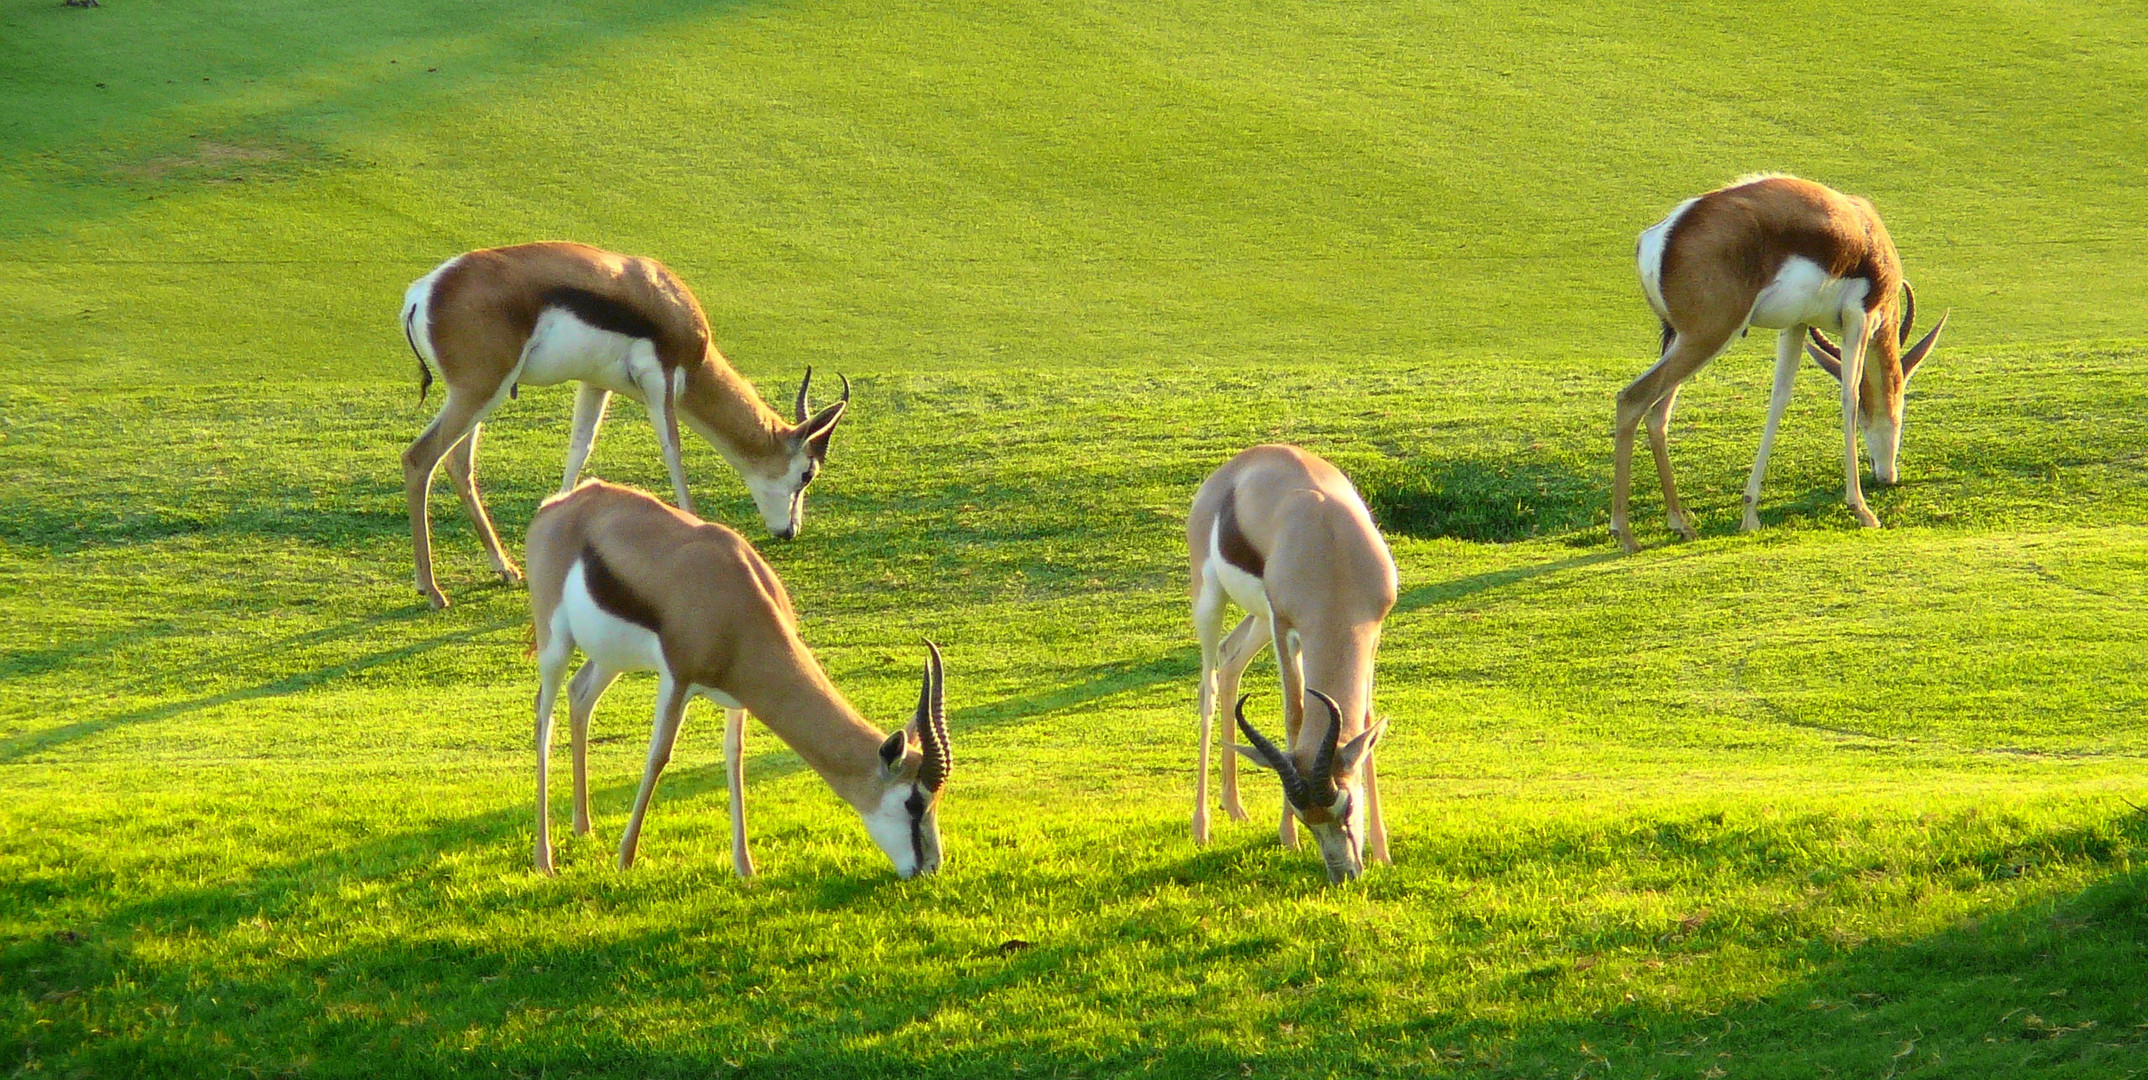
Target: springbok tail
425, 370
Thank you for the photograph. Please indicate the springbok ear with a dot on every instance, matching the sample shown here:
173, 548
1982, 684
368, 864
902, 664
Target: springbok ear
1353, 754
1922, 348
1824, 353
892, 749
1254, 756
815, 433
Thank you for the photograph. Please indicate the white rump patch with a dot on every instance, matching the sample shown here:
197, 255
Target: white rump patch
1648, 255
417, 313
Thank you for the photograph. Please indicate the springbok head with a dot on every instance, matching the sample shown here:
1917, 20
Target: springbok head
915, 762
780, 495
1879, 403
1329, 796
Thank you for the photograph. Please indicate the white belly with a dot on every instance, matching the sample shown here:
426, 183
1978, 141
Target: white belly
1648, 255
602, 636
1803, 294
611, 641
563, 348
1244, 589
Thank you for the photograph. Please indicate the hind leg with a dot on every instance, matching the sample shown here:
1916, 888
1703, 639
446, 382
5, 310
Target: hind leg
462, 470
1659, 440
551, 668
1245, 643
587, 686
457, 417
1690, 350
1208, 607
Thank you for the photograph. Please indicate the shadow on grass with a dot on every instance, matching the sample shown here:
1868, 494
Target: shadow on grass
1481, 500
23, 746
2050, 986
329, 63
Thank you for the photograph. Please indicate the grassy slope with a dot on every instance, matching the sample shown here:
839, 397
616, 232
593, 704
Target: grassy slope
1812, 800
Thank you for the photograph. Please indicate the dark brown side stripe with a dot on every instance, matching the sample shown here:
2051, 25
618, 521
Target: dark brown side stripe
1232, 543
602, 312
612, 594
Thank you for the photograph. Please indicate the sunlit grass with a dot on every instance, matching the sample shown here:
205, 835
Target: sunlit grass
1818, 800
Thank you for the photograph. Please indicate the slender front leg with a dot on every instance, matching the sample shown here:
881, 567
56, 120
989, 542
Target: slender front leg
662, 395
589, 405
1659, 440
589, 684
1854, 327
1287, 662
551, 669
1375, 822
1245, 643
462, 469
1207, 626
734, 754
1789, 349
671, 695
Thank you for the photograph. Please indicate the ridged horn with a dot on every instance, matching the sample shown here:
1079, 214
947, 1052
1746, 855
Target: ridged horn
1923, 347
1323, 780
1824, 353
931, 722
1909, 315
1293, 784
805, 391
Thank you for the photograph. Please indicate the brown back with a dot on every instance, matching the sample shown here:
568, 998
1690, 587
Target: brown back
485, 305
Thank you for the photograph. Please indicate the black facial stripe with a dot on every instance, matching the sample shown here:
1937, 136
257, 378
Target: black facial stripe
916, 805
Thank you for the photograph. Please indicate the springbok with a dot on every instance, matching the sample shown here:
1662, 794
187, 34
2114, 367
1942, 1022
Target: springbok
641, 586
1284, 535
1788, 255
490, 322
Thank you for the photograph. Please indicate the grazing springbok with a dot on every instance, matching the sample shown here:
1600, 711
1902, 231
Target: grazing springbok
1788, 255
491, 321
1284, 535
641, 586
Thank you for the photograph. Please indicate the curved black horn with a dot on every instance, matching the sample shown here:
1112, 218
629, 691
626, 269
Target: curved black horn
1909, 314
931, 724
846, 386
1323, 779
805, 388
1293, 784
1922, 348
1824, 353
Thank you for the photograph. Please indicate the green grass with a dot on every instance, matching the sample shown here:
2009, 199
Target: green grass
1814, 802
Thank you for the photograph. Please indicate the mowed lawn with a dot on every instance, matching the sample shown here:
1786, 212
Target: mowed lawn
1815, 802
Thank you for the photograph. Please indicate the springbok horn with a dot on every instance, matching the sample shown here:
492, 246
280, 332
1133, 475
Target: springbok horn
1909, 314
1323, 784
931, 724
1293, 784
1923, 347
1824, 353
805, 387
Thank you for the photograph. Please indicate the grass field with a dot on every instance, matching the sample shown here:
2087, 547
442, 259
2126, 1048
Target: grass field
1816, 802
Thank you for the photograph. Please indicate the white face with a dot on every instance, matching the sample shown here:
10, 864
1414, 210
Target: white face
906, 825
1341, 835
1883, 440
781, 498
